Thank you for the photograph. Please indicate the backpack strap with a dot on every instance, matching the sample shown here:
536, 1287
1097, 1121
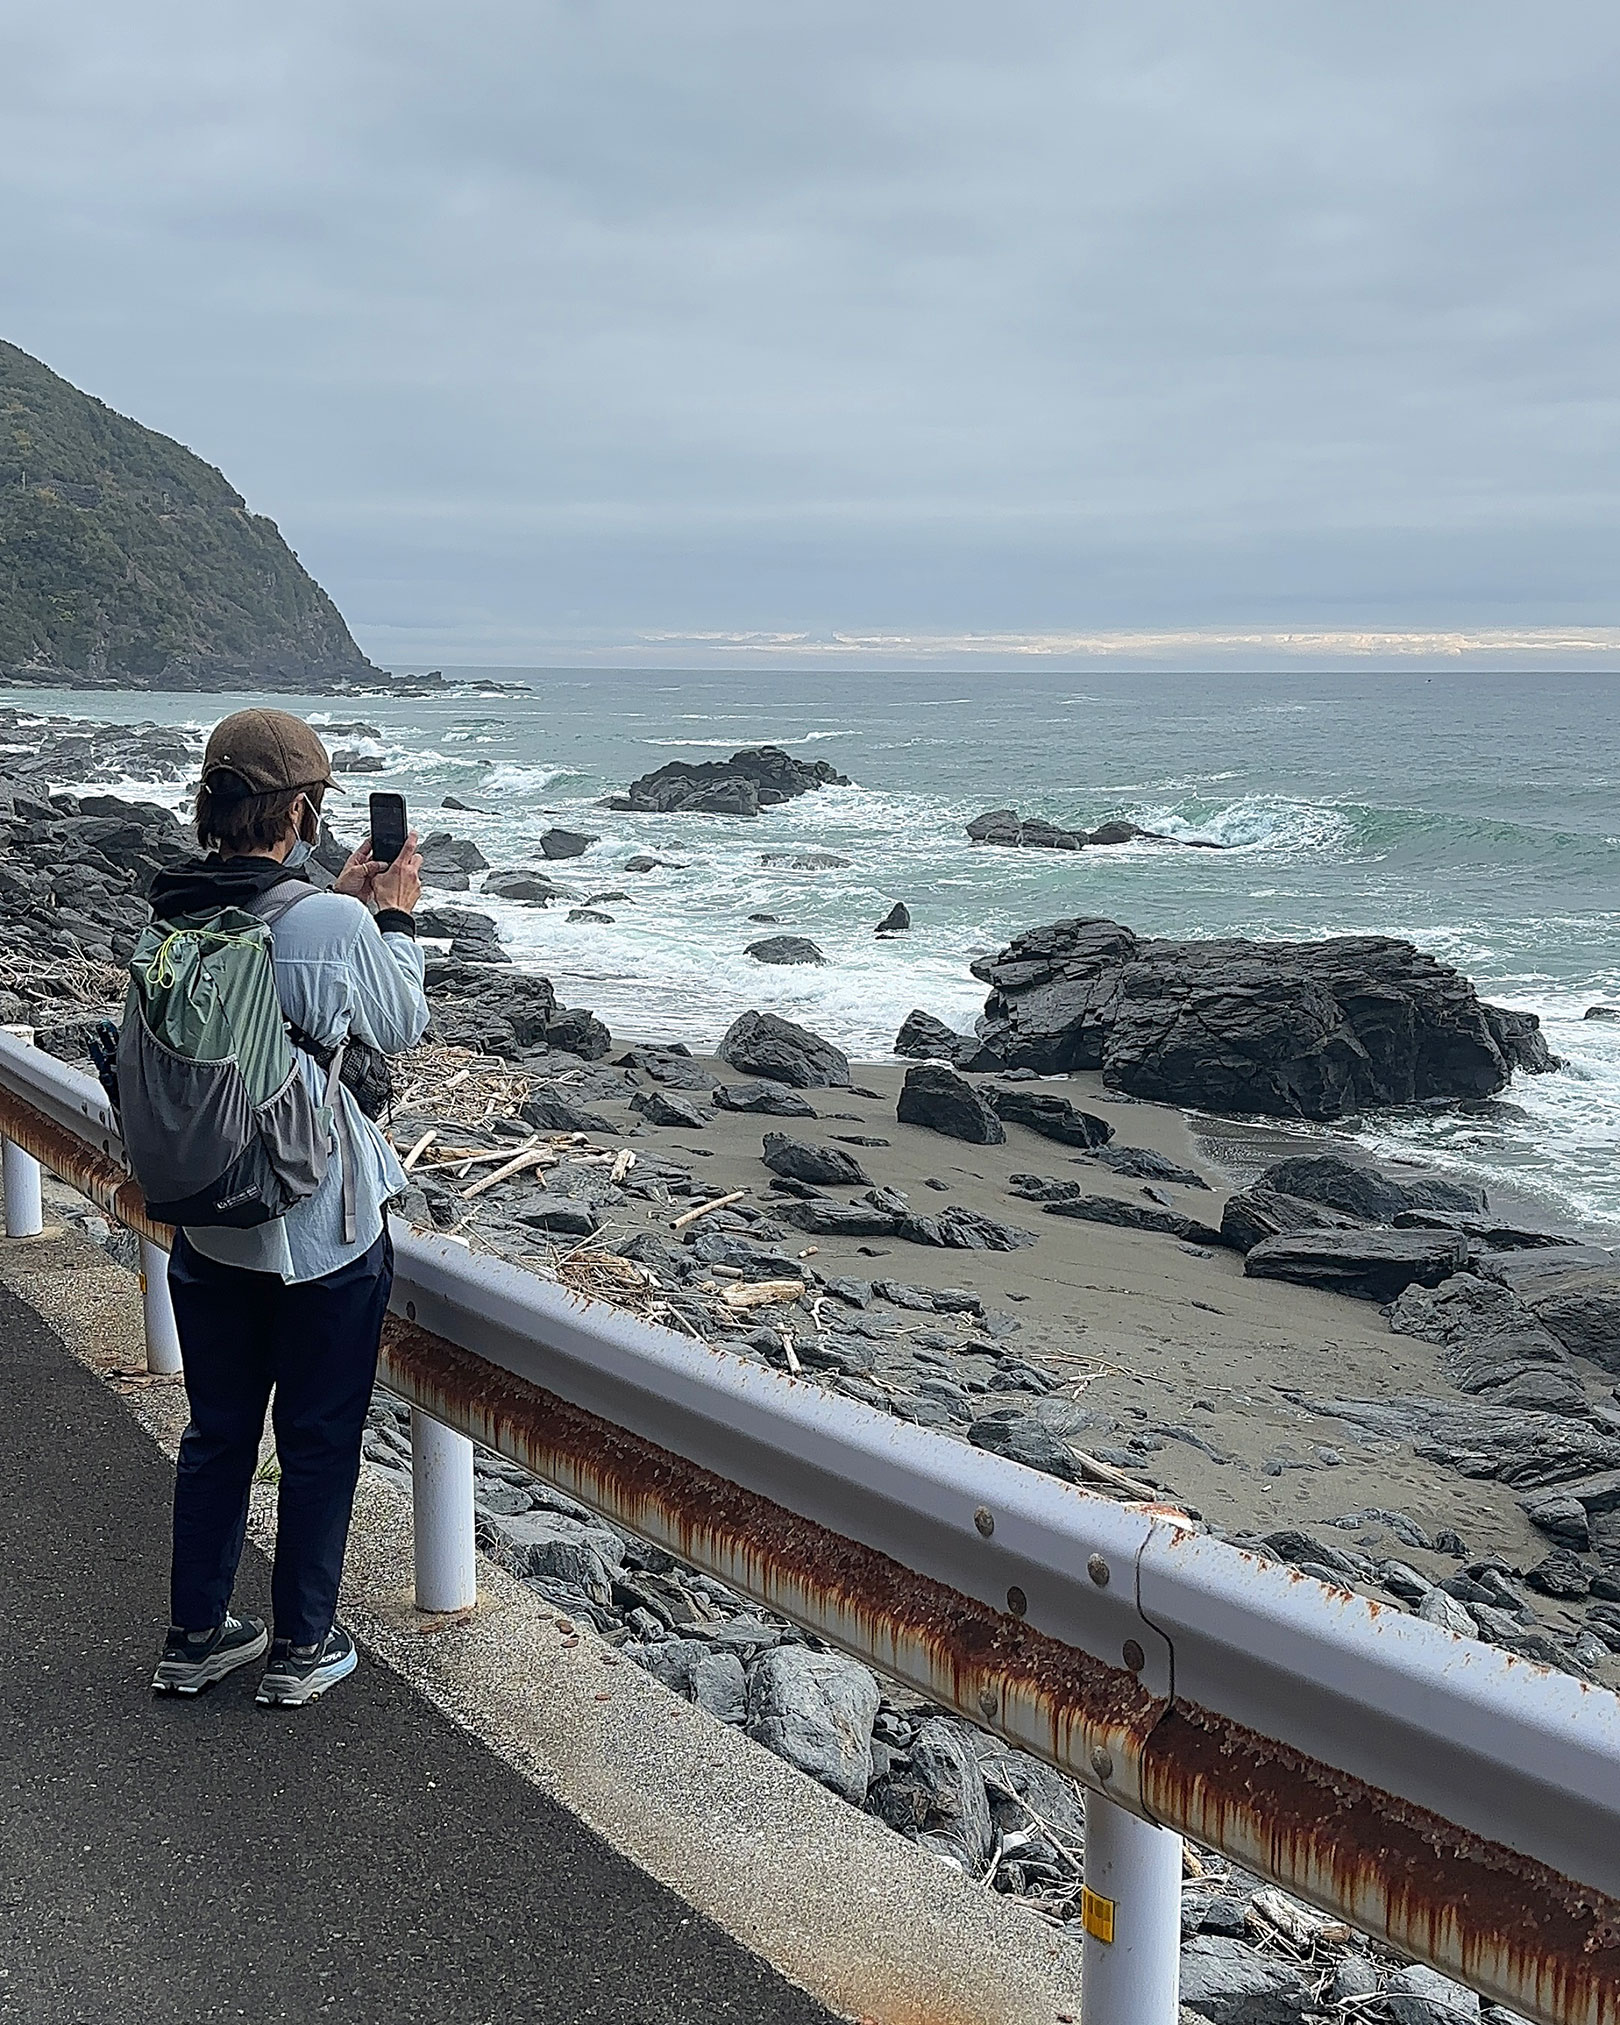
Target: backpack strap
271, 906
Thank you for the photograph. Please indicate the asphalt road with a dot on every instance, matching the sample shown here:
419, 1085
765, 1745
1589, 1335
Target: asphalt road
205, 1859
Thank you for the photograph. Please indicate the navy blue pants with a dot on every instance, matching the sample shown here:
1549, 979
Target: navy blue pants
242, 1336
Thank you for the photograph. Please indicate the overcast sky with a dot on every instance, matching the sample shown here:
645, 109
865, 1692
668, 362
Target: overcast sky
550, 329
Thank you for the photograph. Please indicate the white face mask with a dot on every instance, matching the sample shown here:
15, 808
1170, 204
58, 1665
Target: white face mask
298, 856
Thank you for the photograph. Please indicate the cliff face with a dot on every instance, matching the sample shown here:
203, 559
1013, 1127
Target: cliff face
127, 562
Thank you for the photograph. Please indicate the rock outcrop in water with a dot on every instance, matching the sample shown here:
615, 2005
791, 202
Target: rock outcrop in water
1034, 833
1291, 1029
751, 780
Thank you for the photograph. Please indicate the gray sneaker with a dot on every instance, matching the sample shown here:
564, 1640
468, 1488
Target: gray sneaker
194, 1661
302, 1673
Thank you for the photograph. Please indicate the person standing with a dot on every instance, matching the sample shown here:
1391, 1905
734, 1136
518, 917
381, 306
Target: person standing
293, 1307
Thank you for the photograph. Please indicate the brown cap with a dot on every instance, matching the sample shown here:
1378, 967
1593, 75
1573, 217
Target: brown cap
268, 751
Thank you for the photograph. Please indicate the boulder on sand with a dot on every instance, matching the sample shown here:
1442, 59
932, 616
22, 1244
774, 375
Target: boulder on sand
770, 1098
1493, 1347
1052, 1116
1290, 1029
824, 1165
1255, 1214
943, 1101
1372, 1265
762, 1044
1360, 1190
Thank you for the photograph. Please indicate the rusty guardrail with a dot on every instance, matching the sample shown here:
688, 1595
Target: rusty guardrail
1454, 1800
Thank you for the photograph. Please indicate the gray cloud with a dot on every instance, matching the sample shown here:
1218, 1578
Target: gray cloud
541, 325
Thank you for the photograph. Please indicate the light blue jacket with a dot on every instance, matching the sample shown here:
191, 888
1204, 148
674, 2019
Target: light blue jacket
336, 976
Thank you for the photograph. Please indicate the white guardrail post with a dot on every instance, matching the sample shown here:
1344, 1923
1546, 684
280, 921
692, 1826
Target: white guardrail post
162, 1332
1130, 1966
442, 1515
25, 1214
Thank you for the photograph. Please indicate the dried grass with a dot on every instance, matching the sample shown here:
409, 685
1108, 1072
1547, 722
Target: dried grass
76, 981
458, 1086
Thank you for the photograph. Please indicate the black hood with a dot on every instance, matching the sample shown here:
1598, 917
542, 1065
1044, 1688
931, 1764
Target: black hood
205, 885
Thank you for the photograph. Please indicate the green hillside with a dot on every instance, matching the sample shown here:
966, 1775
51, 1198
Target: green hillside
126, 561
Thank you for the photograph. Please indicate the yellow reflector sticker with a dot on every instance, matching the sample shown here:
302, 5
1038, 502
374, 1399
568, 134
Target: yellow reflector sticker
1097, 1915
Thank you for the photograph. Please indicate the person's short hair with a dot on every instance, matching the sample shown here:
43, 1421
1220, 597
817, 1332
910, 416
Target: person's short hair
233, 823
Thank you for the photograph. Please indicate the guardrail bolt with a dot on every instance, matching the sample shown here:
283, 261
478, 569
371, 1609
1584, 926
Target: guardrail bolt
985, 1520
1097, 1569
1017, 1601
988, 1703
1135, 1657
1102, 1763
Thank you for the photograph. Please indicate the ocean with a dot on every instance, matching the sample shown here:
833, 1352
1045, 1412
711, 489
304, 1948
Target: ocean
1475, 814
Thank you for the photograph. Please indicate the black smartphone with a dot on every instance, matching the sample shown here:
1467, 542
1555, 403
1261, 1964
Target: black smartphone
389, 828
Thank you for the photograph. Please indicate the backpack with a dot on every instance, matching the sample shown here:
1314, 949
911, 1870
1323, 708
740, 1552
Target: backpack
217, 1119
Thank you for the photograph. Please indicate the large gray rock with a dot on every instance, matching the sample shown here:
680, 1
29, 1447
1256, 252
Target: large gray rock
816, 1710
1494, 1346
529, 889
769, 1098
549, 1110
1417, 1995
442, 852
784, 949
1308, 1029
925, 1038
1372, 1265
942, 1101
558, 843
1003, 826
1141, 1163
762, 1044
965, 1230
823, 1217
1349, 1186
1053, 1117
824, 1165
473, 937
713, 1679
1583, 1312
658, 1107
1023, 1439
562, 1215
753, 779
935, 1796
576, 1551
1133, 1216
1255, 1214
1226, 1982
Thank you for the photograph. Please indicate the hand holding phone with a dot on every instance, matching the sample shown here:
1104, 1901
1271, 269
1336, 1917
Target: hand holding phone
389, 828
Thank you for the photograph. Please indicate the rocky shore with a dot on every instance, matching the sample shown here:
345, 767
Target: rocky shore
1374, 1375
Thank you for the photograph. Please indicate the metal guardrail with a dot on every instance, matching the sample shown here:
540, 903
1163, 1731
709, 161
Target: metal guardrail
1457, 1801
